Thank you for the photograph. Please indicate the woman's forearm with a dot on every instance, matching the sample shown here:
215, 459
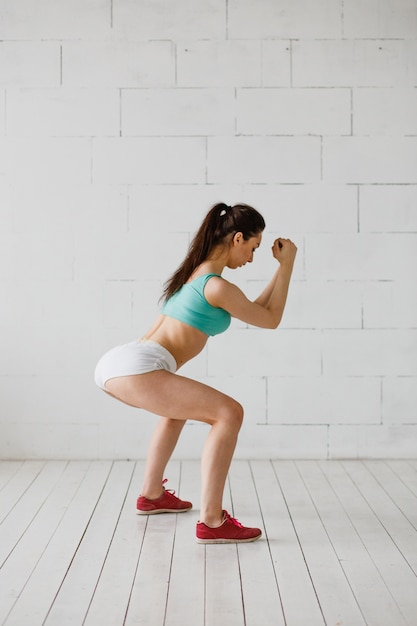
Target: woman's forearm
274, 296
264, 297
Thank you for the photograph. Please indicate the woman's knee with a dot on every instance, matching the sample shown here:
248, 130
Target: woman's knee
232, 414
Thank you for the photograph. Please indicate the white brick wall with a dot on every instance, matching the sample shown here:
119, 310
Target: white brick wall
263, 159
121, 123
293, 111
118, 64
30, 64
355, 63
149, 160
219, 63
380, 19
285, 19
63, 112
373, 159
178, 112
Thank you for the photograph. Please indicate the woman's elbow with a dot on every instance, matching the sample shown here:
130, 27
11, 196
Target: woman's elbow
274, 322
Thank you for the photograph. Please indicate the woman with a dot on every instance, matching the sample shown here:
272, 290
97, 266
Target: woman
198, 303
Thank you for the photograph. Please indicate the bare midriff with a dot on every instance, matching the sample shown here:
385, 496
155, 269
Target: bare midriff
183, 341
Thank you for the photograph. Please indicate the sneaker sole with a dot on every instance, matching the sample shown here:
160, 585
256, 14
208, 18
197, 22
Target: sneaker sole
156, 511
211, 541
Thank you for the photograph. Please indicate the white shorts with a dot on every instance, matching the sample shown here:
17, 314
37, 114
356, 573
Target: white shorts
136, 357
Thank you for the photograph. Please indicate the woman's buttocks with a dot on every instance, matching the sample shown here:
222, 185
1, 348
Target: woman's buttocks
136, 357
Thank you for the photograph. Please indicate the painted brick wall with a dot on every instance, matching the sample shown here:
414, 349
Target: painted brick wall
121, 123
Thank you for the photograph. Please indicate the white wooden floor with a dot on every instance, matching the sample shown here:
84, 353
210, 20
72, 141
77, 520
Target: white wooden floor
339, 547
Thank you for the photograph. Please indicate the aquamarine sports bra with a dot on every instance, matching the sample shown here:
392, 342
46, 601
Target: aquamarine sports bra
190, 306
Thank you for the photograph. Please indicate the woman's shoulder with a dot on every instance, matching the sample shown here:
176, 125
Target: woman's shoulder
201, 277
218, 290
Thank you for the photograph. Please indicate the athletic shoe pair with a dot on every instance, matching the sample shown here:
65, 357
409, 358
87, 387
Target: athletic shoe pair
229, 531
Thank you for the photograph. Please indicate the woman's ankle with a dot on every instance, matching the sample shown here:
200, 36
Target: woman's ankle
212, 520
151, 492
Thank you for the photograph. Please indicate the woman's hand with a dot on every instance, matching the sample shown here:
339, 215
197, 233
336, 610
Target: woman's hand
284, 251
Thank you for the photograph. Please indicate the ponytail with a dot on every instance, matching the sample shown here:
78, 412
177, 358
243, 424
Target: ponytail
221, 221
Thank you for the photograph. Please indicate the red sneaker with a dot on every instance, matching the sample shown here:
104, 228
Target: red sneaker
166, 503
230, 531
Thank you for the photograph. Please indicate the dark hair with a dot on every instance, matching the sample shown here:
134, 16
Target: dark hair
220, 222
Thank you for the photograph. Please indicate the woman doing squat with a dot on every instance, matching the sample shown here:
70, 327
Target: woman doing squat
198, 303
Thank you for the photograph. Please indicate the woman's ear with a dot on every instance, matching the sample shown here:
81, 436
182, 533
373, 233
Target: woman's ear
237, 238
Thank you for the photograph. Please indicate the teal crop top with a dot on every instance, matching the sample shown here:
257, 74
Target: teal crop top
190, 306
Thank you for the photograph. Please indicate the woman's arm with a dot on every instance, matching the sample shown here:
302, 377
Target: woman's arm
275, 293
267, 310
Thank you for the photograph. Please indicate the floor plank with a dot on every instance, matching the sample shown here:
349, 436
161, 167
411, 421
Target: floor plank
223, 590
393, 568
150, 586
333, 590
391, 517
111, 596
296, 587
406, 473
41, 590
81, 579
26, 510
23, 559
403, 497
186, 595
355, 561
260, 593
16, 487
223, 594
339, 546
7, 470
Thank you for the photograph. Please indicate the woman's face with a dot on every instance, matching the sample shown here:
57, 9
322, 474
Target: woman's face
241, 250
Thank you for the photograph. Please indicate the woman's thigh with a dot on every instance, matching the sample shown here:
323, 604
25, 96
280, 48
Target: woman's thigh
174, 396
